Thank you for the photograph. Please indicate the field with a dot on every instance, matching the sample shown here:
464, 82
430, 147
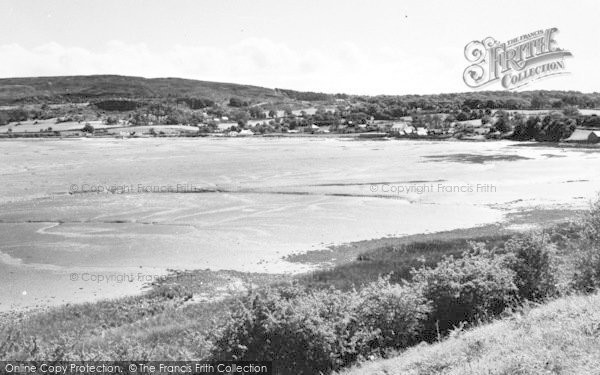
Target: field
35, 126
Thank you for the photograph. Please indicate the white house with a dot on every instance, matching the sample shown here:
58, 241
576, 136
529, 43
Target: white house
398, 127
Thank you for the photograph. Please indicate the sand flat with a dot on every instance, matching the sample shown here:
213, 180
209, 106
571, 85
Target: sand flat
109, 206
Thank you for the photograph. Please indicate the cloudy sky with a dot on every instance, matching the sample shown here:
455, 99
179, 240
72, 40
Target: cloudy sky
352, 46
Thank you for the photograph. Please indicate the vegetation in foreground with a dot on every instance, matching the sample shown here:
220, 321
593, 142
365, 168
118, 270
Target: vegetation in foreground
306, 328
560, 337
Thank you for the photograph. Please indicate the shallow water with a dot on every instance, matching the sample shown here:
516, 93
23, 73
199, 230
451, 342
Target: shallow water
117, 213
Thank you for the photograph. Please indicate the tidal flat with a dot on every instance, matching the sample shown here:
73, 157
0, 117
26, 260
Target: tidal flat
87, 219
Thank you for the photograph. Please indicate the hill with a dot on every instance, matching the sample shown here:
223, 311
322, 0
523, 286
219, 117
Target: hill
561, 337
83, 88
68, 89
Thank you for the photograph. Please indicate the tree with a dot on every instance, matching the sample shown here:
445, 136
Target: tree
88, 128
538, 101
256, 113
241, 117
554, 130
503, 124
570, 111
237, 102
462, 116
111, 120
534, 126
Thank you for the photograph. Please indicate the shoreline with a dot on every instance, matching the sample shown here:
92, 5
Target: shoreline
351, 136
216, 284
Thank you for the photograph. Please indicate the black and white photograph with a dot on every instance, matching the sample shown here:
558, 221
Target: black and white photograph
299, 187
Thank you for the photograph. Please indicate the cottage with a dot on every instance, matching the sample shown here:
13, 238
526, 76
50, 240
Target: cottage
584, 136
421, 132
246, 132
398, 128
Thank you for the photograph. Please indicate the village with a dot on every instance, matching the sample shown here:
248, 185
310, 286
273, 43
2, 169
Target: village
554, 126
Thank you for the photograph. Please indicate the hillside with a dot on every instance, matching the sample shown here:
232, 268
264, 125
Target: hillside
81, 88
561, 337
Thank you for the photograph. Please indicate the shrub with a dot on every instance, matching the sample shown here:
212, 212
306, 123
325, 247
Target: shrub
309, 332
302, 333
531, 257
591, 222
472, 287
395, 312
586, 277
88, 128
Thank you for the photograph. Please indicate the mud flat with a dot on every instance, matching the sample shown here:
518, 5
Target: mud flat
84, 219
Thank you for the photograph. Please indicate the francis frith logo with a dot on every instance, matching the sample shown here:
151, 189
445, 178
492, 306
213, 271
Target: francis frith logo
514, 63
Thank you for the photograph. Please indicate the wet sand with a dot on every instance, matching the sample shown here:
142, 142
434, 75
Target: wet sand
117, 213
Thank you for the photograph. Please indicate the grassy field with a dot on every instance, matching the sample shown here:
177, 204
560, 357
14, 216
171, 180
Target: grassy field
561, 337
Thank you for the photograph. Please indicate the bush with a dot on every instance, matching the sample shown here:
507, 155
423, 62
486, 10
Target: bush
466, 289
302, 333
396, 313
309, 332
591, 223
531, 257
88, 128
586, 277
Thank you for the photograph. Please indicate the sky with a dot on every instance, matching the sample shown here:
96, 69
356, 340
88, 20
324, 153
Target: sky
351, 46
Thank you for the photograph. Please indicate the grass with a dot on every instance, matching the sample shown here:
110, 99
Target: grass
560, 337
399, 257
174, 320
362, 262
